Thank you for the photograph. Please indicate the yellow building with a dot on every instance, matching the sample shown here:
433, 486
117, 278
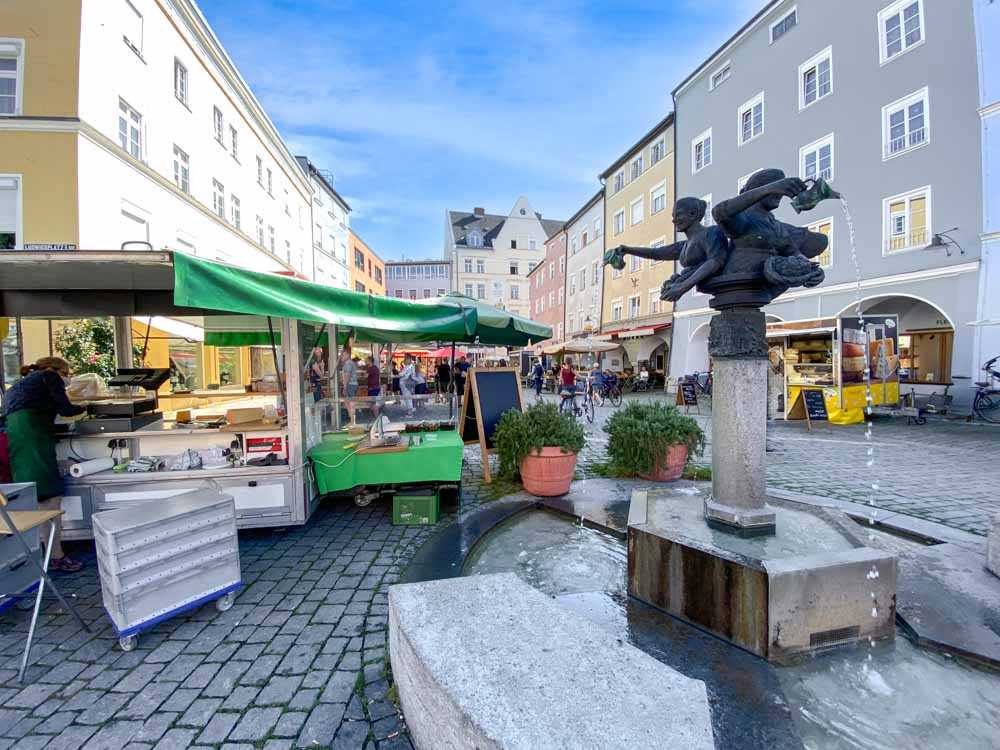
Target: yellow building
638, 200
367, 269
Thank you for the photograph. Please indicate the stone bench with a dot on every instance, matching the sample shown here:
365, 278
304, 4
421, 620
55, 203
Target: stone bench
488, 662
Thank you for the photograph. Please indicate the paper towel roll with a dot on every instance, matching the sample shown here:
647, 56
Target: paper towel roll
93, 466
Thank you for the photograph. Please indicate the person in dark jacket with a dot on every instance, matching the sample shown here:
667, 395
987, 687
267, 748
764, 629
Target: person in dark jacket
29, 410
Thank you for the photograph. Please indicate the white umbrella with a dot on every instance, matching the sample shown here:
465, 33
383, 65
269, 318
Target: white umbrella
580, 346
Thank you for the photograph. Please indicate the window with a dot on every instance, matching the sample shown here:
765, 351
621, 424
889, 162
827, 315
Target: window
634, 306
742, 181
474, 239
784, 24
513, 268
260, 171
269, 183
378, 275
584, 240
134, 223
133, 28
480, 266
532, 265
708, 220
532, 245
751, 119
480, 291
11, 76
657, 151
636, 211
572, 285
219, 198
701, 151
562, 266
441, 291
182, 172
635, 264
180, 82
129, 129
270, 237
595, 269
816, 78
583, 279
234, 143
616, 273
427, 293
616, 310
468, 290
816, 159
900, 28
260, 230
552, 299
234, 211
658, 198
637, 167
552, 271
288, 210
217, 125
907, 220
905, 124
513, 244
825, 226
619, 181
654, 301
468, 265
598, 226
359, 260
10, 212
515, 291
573, 244
720, 76
399, 294
619, 222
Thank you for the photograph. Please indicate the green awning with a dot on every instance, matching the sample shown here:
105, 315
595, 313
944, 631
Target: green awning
215, 286
494, 327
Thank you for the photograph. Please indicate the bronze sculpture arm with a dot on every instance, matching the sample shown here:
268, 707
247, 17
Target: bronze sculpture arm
727, 209
615, 257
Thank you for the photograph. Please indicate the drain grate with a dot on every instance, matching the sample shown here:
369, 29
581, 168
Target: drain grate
835, 637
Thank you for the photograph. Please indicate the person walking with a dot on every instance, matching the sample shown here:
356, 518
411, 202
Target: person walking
373, 374
461, 373
443, 377
538, 377
29, 412
407, 382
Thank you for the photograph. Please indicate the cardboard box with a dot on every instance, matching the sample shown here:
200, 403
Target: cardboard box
241, 416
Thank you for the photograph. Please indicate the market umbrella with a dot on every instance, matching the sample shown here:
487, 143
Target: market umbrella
580, 346
445, 352
494, 327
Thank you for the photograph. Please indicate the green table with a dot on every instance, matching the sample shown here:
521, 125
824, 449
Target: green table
437, 459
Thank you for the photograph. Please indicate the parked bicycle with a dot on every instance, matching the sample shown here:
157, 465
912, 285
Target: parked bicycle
609, 390
569, 405
702, 380
986, 404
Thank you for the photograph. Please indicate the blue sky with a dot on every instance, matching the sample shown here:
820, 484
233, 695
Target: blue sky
419, 107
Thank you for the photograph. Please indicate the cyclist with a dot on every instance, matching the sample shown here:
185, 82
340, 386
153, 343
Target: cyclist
597, 385
567, 380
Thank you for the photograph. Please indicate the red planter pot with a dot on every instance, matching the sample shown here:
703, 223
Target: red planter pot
670, 466
549, 474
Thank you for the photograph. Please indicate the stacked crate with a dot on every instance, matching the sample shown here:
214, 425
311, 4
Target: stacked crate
17, 573
164, 556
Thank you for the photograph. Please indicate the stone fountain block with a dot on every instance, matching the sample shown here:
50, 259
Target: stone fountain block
807, 589
489, 662
993, 547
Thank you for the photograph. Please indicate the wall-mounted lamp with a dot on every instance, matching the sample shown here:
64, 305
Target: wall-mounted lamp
945, 240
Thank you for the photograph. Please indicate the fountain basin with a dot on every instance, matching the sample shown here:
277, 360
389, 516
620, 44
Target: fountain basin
810, 587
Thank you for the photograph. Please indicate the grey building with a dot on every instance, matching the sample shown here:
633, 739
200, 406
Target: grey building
417, 279
881, 99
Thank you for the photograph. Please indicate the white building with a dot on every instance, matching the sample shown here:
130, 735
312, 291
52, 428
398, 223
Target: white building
330, 229
492, 254
584, 268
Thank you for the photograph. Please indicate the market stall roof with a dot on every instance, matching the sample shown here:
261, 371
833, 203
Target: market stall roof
81, 282
580, 346
445, 353
494, 327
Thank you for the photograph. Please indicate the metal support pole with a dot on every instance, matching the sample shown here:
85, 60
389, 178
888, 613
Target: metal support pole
38, 604
336, 377
277, 368
451, 385
123, 341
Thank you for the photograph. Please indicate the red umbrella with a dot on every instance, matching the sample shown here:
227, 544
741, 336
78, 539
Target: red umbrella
445, 353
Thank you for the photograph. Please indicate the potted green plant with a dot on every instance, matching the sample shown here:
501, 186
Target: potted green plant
540, 446
653, 440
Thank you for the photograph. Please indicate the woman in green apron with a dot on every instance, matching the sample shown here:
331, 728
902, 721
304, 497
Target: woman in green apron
30, 408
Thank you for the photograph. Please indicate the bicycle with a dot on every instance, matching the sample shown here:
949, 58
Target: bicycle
568, 404
986, 404
610, 391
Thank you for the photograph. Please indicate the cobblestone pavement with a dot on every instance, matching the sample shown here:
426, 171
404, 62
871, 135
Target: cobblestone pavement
300, 661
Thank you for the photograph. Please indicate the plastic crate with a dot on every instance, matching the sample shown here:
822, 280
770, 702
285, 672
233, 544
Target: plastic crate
199, 557
169, 546
416, 507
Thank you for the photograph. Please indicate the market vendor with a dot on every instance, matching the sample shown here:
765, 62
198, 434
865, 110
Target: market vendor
29, 411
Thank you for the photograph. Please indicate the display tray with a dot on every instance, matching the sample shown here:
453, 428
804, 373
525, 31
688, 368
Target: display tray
103, 425
121, 407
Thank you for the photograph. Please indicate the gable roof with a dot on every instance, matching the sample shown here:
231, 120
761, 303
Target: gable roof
489, 225
640, 144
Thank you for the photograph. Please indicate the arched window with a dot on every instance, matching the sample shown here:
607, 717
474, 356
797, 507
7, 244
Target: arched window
474, 239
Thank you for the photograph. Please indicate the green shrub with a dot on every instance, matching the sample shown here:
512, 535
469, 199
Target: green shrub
644, 430
539, 426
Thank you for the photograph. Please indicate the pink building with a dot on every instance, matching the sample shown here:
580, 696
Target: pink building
547, 284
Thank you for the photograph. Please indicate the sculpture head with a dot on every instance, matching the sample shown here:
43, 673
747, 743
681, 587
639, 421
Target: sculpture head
762, 178
688, 212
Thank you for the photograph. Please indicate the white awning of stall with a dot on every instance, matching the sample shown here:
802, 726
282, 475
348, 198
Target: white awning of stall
780, 333
179, 328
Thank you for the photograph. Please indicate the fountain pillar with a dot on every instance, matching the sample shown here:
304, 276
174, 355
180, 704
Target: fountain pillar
738, 346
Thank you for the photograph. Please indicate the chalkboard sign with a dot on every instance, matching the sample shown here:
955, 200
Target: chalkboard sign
815, 405
488, 394
688, 393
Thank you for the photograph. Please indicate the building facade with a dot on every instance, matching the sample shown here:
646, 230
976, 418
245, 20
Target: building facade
584, 268
367, 269
491, 254
128, 122
881, 100
417, 279
547, 287
330, 224
638, 198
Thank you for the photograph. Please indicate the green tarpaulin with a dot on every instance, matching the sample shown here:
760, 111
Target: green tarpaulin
214, 286
494, 327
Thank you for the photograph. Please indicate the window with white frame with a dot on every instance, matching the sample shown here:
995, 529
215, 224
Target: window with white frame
573, 244
635, 211
474, 239
480, 266
824, 226
595, 271
657, 151
218, 126
637, 167
532, 265
598, 226
658, 242
260, 171
560, 295
10, 212
751, 119
562, 266
907, 220
218, 198
616, 309
182, 169
270, 182
619, 181
635, 264
709, 219
616, 273
234, 143
619, 222
701, 151
130, 129
572, 284
816, 78
270, 237
905, 124
654, 301
11, 76
658, 198
901, 27
816, 159
742, 181
634, 306
480, 291
234, 211
720, 76
532, 245
260, 230
134, 223
784, 24
584, 239
552, 299
132, 31
468, 290
180, 81
467, 265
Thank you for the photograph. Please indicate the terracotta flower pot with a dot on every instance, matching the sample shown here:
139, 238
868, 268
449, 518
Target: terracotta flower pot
549, 474
669, 466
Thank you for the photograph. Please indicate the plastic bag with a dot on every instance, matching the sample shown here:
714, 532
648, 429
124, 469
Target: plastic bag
86, 387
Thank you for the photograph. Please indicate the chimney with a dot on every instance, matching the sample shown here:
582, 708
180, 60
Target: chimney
479, 211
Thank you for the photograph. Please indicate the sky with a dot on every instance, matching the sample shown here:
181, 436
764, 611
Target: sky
421, 107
